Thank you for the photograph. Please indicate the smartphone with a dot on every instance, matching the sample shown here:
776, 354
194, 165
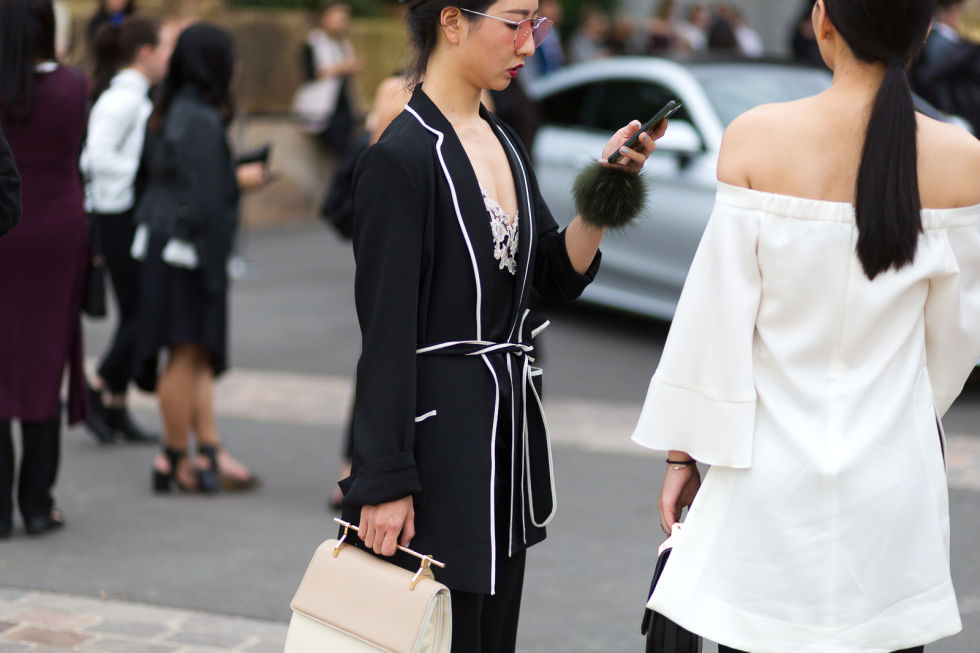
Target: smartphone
651, 125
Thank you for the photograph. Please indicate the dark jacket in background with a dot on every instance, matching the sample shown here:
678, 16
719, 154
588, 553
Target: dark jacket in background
190, 188
948, 76
10, 208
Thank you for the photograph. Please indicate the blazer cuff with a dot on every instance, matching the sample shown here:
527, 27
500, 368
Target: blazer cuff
713, 431
571, 283
388, 479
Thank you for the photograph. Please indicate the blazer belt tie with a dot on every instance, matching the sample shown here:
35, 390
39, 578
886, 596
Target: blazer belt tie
529, 399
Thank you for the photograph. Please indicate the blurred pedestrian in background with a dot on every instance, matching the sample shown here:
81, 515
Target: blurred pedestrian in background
439, 455
43, 262
829, 319
187, 219
10, 207
721, 34
589, 40
749, 41
803, 40
622, 35
109, 11
551, 55
661, 36
693, 31
325, 102
129, 59
948, 72
62, 29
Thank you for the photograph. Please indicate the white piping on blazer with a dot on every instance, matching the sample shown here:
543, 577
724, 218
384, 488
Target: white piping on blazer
422, 418
440, 137
528, 221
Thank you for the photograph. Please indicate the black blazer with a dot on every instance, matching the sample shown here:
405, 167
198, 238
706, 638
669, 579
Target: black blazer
10, 206
448, 401
190, 189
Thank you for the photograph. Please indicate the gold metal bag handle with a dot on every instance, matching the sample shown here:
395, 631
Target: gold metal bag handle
424, 567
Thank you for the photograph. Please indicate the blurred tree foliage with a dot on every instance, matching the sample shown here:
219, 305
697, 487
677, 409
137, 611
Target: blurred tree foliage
573, 8
358, 7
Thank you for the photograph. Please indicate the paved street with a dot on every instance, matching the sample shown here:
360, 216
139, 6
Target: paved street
135, 572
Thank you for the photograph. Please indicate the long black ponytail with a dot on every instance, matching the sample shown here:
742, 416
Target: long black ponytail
887, 205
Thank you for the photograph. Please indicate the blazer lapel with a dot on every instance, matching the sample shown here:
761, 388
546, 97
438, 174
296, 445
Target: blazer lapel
470, 211
474, 222
525, 232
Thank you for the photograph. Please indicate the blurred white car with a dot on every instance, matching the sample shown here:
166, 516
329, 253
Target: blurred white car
644, 267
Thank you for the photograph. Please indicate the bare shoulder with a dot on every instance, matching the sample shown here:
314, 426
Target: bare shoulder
750, 139
949, 169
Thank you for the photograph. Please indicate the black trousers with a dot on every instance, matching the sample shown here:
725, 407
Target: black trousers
116, 235
38, 468
917, 649
488, 624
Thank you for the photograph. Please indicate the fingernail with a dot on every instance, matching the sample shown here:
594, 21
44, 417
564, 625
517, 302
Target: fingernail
624, 150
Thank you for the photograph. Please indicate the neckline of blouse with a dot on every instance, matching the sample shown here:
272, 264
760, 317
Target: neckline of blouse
835, 211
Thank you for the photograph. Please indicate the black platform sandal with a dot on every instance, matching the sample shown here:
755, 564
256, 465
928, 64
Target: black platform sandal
208, 481
162, 481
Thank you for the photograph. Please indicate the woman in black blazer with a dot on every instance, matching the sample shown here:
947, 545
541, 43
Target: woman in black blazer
451, 233
187, 217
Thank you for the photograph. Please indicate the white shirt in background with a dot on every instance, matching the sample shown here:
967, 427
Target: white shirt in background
114, 145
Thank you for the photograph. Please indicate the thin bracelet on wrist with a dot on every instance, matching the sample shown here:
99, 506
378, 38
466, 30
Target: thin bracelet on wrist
682, 462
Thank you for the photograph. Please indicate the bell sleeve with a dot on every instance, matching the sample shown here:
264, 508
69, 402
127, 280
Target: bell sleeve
702, 397
388, 230
952, 317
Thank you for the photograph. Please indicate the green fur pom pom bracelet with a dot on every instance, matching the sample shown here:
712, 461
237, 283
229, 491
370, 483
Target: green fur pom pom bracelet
607, 196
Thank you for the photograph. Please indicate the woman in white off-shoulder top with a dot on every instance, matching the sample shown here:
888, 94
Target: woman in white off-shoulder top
830, 318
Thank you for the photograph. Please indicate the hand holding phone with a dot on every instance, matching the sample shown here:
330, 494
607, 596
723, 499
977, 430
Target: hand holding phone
648, 127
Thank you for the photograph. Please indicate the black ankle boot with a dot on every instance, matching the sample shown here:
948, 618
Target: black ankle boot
97, 420
120, 421
208, 481
41, 524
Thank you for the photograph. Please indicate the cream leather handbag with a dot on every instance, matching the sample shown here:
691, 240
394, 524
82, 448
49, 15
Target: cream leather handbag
350, 601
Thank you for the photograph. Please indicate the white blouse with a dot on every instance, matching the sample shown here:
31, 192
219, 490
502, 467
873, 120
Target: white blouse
114, 145
814, 394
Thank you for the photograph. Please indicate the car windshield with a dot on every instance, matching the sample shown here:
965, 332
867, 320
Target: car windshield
734, 89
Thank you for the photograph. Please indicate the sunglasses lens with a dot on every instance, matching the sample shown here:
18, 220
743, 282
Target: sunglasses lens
524, 29
542, 31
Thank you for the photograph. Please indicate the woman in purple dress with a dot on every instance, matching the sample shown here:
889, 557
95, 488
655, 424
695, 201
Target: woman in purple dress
42, 262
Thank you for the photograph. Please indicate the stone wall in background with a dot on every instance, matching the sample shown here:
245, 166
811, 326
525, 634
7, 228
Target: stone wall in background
269, 44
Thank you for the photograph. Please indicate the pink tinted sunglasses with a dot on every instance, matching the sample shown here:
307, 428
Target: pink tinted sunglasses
537, 28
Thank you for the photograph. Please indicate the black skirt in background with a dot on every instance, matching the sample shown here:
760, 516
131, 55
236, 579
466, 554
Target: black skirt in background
175, 308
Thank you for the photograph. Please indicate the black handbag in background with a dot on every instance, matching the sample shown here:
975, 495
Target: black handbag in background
663, 635
94, 301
